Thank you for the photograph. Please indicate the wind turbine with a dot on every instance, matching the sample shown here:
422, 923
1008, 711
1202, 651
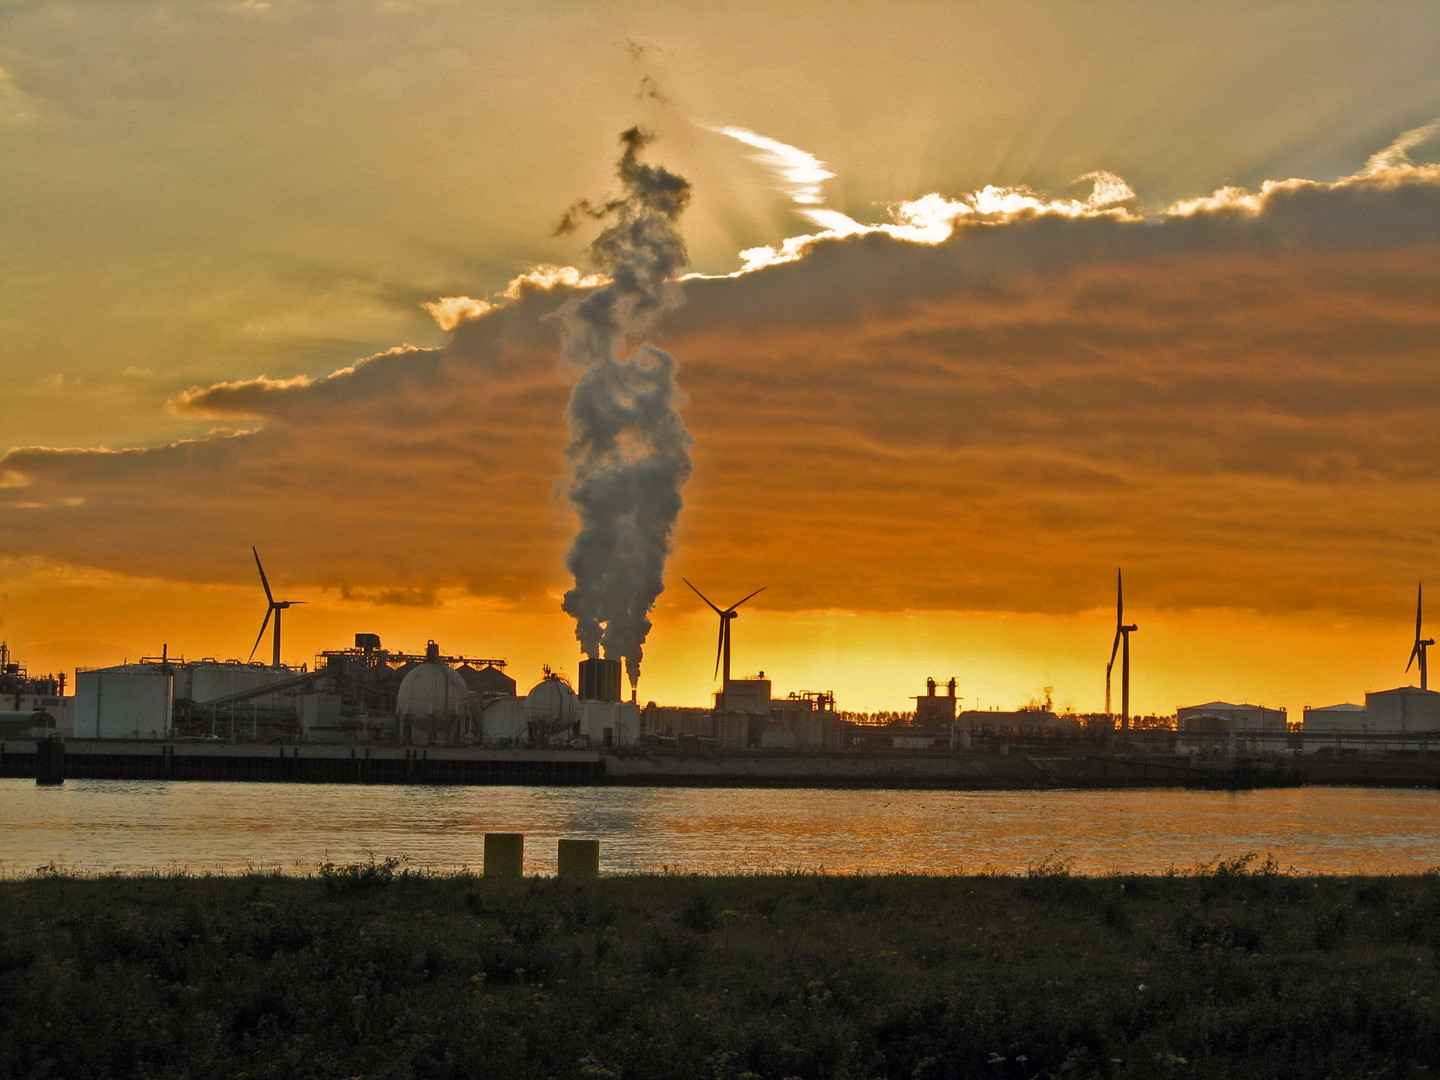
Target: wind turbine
1122, 632
1420, 645
722, 649
275, 608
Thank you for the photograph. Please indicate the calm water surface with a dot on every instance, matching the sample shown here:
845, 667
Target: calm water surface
132, 825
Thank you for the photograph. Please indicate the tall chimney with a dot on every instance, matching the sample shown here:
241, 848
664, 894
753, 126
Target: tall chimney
599, 680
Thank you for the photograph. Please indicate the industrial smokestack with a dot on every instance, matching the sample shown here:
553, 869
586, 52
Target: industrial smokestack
629, 452
600, 680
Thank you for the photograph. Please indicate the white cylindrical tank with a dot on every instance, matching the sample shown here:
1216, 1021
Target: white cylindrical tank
504, 722
1404, 709
126, 702
552, 706
1333, 718
210, 680
181, 681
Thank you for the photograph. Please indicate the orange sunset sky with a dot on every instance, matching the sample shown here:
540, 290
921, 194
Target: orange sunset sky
983, 301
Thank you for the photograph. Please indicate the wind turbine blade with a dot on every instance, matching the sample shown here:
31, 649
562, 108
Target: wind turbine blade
268, 612
1119, 599
719, 645
1113, 650
268, 594
702, 596
757, 592
1413, 654
1419, 597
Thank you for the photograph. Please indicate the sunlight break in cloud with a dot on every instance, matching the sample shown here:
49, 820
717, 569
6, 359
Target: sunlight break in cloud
1397, 153
1225, 198
929, 219
550, 276
193, 401
1392, 162
800, 173
450, 311
1109, 190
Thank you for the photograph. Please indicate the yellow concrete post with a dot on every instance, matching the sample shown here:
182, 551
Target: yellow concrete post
504, 854
579, 858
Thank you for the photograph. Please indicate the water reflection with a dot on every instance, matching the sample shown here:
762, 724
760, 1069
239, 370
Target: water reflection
104, 825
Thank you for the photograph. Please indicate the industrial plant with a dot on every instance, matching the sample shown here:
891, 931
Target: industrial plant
371, 704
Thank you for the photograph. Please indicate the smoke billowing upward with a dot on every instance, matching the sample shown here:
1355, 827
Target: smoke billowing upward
629, 452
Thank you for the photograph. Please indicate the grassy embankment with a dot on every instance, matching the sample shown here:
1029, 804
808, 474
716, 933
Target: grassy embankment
372, 971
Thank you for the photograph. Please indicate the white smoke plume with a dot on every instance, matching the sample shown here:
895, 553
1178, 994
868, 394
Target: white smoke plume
629, 452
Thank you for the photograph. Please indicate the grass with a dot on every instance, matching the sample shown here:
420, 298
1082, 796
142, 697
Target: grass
375, 970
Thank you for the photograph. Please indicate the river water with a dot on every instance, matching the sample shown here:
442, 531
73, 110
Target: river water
134, 825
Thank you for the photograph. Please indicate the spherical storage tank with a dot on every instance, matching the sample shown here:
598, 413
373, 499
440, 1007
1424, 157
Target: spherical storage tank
432, 696
552, 706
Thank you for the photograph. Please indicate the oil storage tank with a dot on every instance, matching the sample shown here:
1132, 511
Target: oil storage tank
1406, 709
210, 680
131, 701
503, 722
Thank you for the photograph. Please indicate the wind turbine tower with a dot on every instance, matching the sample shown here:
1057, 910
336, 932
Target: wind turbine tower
275, 608
1122, 636
722, 649
1421, 644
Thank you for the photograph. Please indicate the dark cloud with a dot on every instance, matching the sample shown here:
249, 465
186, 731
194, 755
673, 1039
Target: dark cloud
389, 377
1240, 402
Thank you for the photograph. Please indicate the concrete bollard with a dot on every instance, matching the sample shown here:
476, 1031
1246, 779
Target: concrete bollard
504, 854
579, 858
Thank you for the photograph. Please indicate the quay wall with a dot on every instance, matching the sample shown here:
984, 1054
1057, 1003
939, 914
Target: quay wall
136, 759
962, 770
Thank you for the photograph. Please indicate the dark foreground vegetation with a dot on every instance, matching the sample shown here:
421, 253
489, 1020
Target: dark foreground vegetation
372, 971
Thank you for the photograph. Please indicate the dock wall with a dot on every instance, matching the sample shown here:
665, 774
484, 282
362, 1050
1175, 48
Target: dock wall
135, 759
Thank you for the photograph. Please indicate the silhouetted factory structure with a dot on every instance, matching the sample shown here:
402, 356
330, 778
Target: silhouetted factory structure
31, 705
361, 694
369, 695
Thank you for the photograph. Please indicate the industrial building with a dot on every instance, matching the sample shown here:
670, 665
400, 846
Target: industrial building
933, 708
32, 706
368, 694
1018, 723
747, 716
362, 694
